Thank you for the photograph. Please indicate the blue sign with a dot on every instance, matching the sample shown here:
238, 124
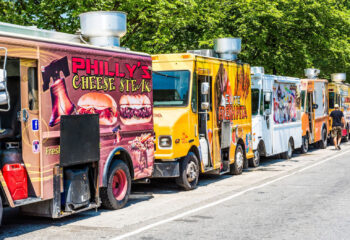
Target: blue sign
35, 124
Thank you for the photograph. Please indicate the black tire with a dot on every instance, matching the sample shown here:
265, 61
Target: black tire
254, 162
289, 153
236, 168
305, 145
189, 172
108, 196
346, 138
323, 142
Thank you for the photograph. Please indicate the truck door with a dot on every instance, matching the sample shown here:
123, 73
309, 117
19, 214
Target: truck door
30, 121
268, 121
311, 114
205, 123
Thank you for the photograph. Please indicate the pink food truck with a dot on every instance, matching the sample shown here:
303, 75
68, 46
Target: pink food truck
76, 117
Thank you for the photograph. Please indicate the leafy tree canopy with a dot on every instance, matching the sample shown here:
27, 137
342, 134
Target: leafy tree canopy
284, 36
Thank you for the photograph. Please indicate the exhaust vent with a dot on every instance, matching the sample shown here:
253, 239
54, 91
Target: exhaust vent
338, 77
311, 73
257, 70
227, 48
104, 29
203, 52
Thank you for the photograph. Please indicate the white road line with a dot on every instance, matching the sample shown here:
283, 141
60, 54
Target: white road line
147, 227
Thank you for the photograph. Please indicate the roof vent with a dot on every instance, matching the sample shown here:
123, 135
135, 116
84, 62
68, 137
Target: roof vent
227, 48
257, 70
338, 77
104, 29
311, 73
203, 52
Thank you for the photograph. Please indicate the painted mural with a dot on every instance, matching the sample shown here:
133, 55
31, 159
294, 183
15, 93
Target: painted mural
285, 98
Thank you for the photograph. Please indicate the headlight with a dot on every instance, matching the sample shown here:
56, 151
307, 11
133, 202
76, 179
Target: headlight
164, 141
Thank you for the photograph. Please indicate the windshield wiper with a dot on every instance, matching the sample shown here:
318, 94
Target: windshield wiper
165, 75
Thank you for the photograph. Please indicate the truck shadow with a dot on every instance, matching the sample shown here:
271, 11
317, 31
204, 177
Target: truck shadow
15, 224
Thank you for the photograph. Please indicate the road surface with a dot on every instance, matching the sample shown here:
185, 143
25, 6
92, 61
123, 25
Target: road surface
306, 197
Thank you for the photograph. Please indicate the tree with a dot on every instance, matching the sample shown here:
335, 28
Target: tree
284, 36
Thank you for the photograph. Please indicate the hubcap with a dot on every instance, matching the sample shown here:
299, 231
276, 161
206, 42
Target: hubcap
239, 158
256, 156
191, 171
119, 184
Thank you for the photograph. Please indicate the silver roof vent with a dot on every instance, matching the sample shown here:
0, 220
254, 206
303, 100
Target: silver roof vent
203, 52
227, 48
311, 73
103, 29
257, 70
338, 77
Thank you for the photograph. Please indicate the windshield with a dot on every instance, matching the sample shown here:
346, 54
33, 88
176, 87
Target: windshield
255, 101
170, 88
331, 100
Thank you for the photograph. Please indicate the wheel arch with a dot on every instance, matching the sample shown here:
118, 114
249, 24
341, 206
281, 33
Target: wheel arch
291, 139
118, 153
262, 148
241, 142
194, 149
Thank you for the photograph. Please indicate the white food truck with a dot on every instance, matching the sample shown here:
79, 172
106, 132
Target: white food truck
275, 115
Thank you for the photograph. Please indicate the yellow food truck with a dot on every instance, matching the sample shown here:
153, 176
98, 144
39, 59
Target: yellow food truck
339, 93
202, 113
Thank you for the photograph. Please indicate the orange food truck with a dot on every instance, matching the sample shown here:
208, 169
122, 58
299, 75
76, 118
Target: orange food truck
76, 119
339, 93
314, 110
202, 113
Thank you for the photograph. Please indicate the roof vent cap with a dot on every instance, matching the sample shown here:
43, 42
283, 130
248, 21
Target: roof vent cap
338, 77
104, 29
227, 48
312, 73
257, 70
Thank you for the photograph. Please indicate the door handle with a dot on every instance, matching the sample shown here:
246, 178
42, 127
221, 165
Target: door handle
25, 115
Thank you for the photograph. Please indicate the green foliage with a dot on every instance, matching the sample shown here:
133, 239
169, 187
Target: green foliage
284, 36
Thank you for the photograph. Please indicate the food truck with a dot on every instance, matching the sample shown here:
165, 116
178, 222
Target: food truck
339, 93
275, 115
314, 107
56, 157
202, 113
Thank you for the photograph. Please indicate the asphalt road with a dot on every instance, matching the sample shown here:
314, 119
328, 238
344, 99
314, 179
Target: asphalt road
306, 197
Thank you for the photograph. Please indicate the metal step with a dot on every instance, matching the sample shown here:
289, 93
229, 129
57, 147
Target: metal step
26, 201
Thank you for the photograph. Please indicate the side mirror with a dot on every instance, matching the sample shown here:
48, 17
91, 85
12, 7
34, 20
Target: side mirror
267, 112
3, 89
267, 96
205, 106
205, 88
4, 95
314, 106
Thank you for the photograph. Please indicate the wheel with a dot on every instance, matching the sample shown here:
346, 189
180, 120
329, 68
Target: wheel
289, 153
323, 142
237, 167
117, 192
346, 138
305, 145
254, 162
189, 172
